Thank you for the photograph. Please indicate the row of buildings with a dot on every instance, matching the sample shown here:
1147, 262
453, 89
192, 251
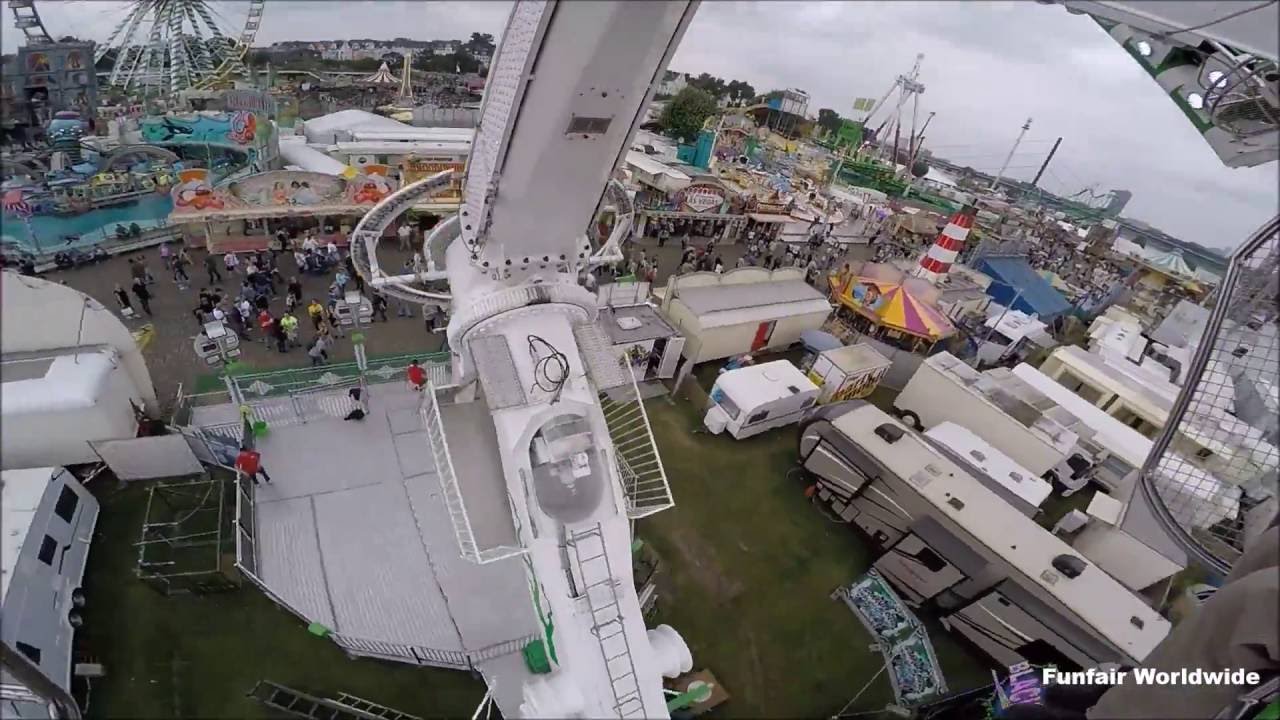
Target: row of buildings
346, 50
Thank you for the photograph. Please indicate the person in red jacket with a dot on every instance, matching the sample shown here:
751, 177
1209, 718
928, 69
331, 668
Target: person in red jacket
417, 376
249, 462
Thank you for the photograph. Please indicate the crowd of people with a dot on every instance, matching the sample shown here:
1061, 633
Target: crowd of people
250, 294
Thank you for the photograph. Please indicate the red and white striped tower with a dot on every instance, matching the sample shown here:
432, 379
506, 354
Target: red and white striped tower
937, 261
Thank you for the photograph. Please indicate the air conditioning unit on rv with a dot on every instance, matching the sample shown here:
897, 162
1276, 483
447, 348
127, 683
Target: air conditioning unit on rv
362, 160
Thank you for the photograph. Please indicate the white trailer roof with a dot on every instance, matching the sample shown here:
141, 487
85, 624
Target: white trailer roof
856, 358
20, 495
995, 464
735, 304
67, 382
756, 385
1178, 478
1095, 597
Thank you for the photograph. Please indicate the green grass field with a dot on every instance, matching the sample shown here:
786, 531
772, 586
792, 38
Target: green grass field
748, 567
188, 656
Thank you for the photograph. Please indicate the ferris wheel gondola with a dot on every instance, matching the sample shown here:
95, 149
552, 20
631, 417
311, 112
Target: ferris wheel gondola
163, 47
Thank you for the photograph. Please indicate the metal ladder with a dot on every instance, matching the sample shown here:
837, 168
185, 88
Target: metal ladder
372, 709
300, 704
599, 586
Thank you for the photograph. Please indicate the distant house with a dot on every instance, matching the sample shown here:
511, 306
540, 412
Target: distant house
672, 83
444, 47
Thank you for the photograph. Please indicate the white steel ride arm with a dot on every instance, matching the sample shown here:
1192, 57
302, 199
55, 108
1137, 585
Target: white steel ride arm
568, 89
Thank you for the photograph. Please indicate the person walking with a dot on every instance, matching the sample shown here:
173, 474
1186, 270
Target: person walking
137, 271
280, 335
143, 293
335, 323
316, 311
146, 271
181, 261
231, 262
266, 323
416, 375
166, 254
246, 314
318, 352
211, 267
405, 235
249, 462
380, 306
295, 289
122, 299
290, 325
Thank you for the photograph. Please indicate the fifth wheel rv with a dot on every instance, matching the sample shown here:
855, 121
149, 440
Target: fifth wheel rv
994, 576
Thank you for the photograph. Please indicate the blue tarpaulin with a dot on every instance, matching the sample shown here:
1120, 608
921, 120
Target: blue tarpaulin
1013, 277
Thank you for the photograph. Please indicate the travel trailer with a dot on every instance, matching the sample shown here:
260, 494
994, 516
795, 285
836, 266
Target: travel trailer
1010, 415
48, 524
750, 400
744, 310
993, 575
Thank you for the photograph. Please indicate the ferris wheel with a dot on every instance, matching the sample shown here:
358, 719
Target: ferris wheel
166, 46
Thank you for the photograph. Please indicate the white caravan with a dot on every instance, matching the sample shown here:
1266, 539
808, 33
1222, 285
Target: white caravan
750, 400
48, 520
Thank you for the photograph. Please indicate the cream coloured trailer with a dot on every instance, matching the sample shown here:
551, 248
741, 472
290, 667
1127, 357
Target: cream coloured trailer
744, 310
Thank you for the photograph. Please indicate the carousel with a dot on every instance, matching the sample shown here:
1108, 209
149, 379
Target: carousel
879, 301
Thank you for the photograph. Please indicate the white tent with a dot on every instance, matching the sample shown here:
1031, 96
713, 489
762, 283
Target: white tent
1169, 262
382, 77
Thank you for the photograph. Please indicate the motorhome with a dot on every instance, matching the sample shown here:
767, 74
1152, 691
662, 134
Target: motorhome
1011, 587
750, 400
1011, 416
49, 519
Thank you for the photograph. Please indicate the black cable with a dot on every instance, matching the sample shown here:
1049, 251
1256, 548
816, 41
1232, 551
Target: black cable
542, 365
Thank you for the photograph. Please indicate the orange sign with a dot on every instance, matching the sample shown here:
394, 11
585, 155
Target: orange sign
413, 169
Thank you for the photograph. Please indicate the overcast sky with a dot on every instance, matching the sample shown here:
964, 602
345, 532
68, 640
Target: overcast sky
987, 68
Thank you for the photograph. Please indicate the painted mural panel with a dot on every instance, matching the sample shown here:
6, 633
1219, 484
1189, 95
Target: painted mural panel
240, 130
282, 189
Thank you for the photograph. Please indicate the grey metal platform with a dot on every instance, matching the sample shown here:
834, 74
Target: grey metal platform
477, 463
353, 532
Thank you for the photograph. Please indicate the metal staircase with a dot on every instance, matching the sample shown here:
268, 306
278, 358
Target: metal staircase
607, 624
300, 704
431, 420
